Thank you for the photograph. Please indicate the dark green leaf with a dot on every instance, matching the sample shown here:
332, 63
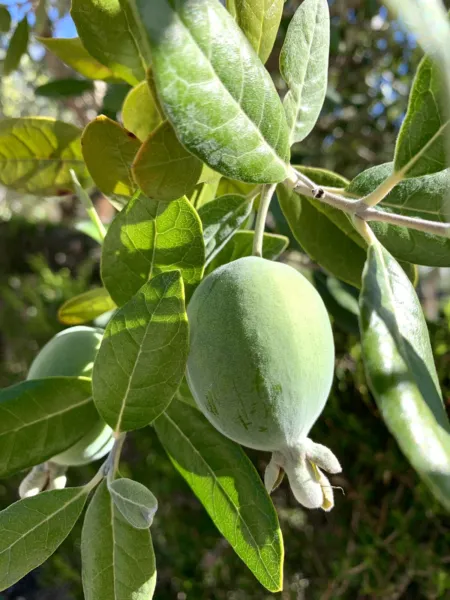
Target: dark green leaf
5, 19
109, 151
321, 229
32, 529
401, 372
424, 197
148, 237
18, 45
304, 66
105, 33
341, 301
72, 52
259, 20
40, 418
421, 146
221, 218
214, 89
228, 486
37, 153
241, 244
163, 168
135, 502
143, 355
86, 307
141, 113
118, 560
64, 88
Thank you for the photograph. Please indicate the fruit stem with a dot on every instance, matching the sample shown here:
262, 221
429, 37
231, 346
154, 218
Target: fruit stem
85, 199
266, 197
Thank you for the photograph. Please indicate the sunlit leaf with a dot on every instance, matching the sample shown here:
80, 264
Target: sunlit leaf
86, 307
140, 112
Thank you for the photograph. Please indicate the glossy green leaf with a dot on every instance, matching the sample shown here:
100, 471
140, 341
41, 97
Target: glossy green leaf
86, 307
421, 145
423, 197
321, 230
18, 45
118, 561
37, 153
142, 357
163, 168
109, 151
228, 486
105, 33
54, 413
148, 237
259, 20
304, 66
400, 369
241, 244
134, 501
64, 88
140, 112
221, 218
72, 52
201, 60
5, 19
32, 529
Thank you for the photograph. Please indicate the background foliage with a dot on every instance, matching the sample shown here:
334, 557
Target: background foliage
387, 538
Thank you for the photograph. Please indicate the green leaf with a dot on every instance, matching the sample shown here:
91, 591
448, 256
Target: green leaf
135, 502
86, 307
142, 357
241, 244
140, 112
421, 145
341, 301
72, 52
87, 227
204, 193
304, 66
105, 33
117, 560
109, 151
321, 229
37, 153
230, 186
64, 88
163, 168
5, 19
18, 45
148, 237
259, 20
400, 369
228, 486
423, 197
221, 218
54, 413
214, 89
32, 529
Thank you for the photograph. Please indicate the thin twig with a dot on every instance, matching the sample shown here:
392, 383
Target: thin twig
112, 463
367, 213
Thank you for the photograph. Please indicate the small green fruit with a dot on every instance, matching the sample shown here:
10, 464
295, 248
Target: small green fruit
71, 353
261, 365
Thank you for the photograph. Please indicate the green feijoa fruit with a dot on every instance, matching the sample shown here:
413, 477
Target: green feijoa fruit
71, 353
261, 366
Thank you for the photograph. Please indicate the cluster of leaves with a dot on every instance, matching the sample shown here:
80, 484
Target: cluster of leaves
203, 132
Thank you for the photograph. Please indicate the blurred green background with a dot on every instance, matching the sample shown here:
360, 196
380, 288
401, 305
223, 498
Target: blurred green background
387, 537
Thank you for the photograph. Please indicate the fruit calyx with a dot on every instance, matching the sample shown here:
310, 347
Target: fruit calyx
304, 465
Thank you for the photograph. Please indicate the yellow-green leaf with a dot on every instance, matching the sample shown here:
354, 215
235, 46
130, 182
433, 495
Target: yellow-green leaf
86, 307
37, 153
163, 168
140, 112
109, 151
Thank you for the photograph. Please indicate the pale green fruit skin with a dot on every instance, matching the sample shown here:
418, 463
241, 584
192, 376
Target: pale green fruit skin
261, 357
71, 353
